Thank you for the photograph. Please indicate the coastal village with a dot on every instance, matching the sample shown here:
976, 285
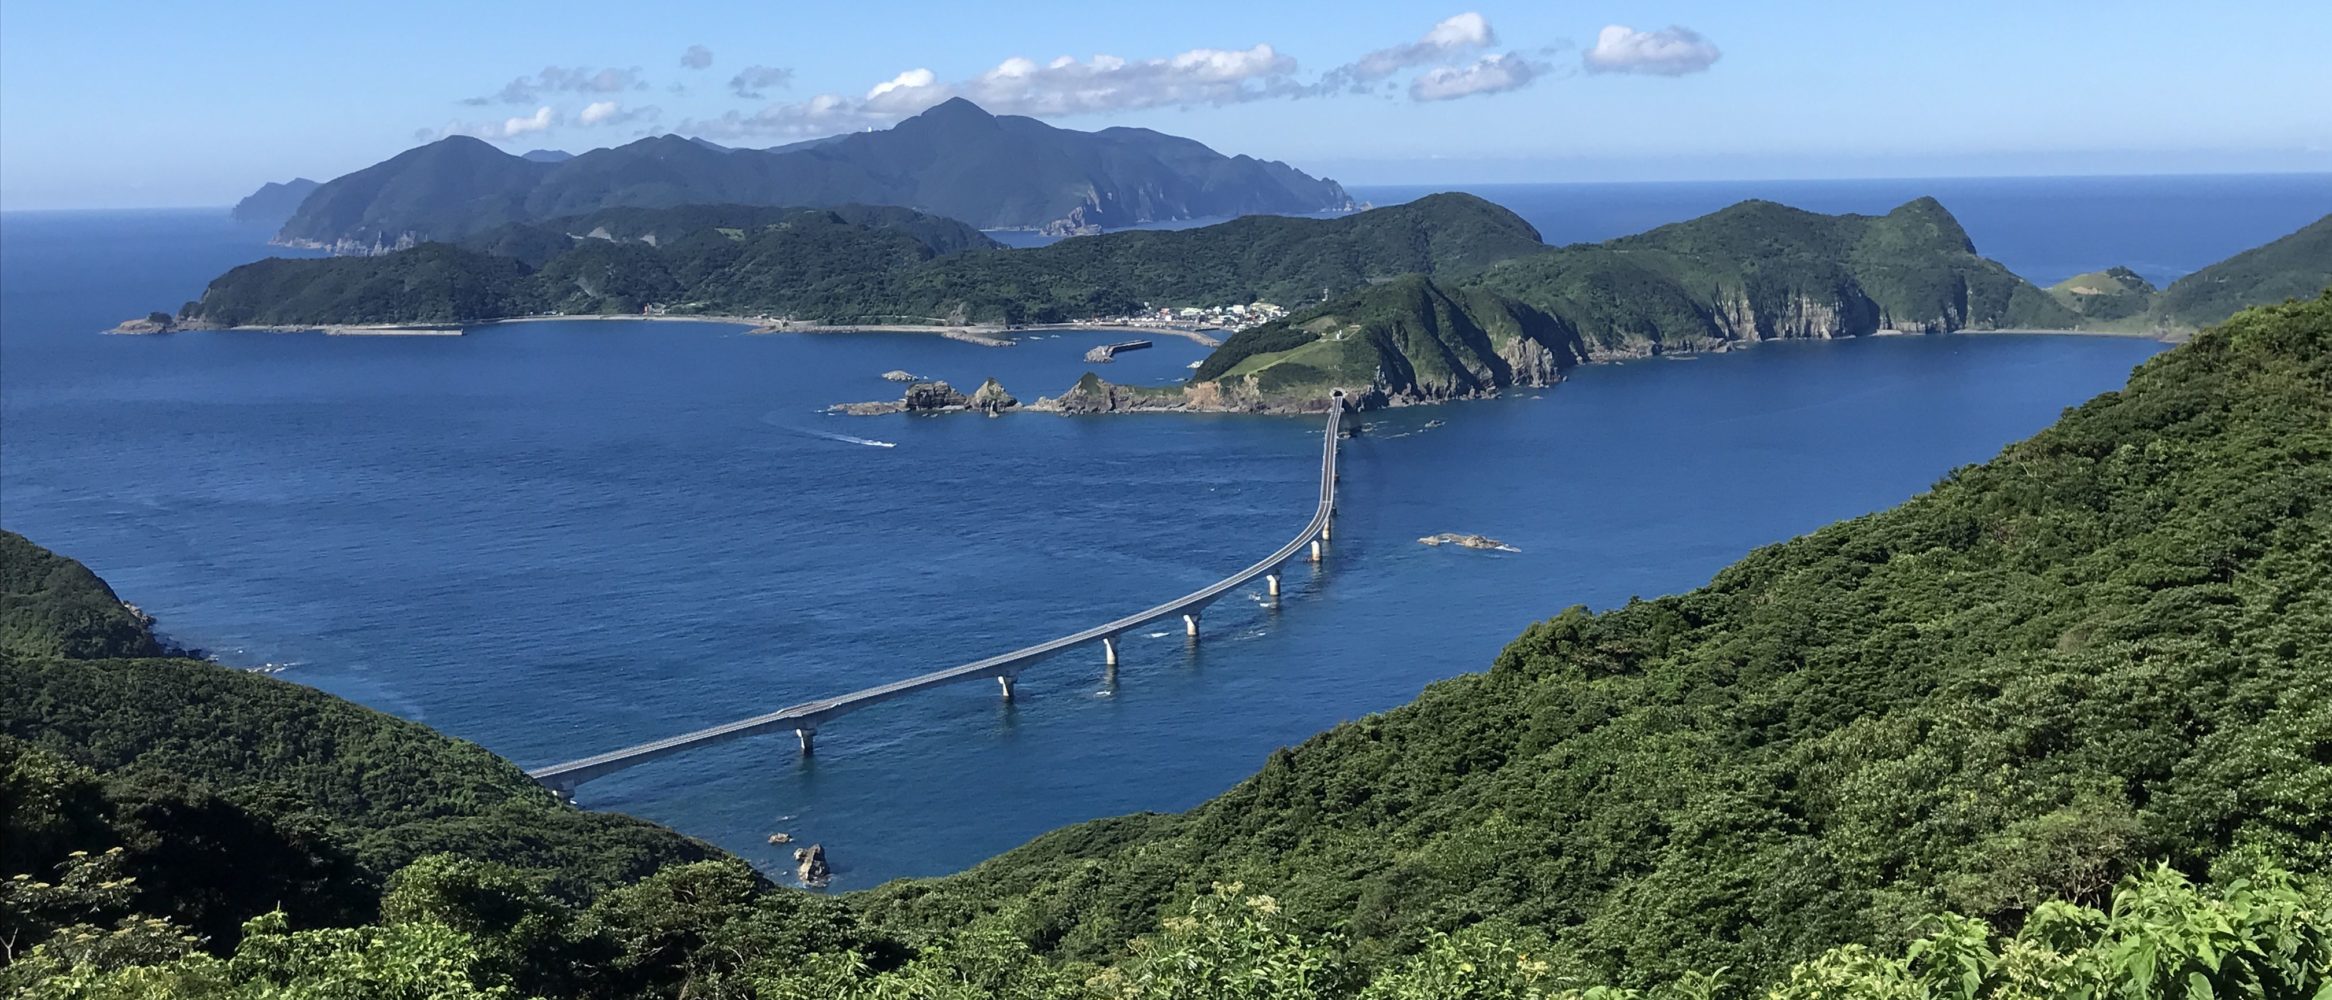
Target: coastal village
1233, 318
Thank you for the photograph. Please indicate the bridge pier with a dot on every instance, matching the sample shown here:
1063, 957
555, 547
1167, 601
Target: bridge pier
1190, 624
1271, 580
1324, 525
1109, 650
1317, 550
809, 738
1005, 681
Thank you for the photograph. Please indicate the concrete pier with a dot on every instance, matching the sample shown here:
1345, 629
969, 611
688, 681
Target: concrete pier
804, 718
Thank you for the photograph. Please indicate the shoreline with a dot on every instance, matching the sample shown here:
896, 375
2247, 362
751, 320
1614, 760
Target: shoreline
985, 334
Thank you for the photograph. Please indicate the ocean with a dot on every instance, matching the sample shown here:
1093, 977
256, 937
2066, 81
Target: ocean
558, 538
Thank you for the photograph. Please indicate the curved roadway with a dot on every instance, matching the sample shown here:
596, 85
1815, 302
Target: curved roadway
808, 714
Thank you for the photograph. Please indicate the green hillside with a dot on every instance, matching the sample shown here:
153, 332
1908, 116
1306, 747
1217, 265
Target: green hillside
2108, 647
51, 606
858, 264
2295, 267
1754, 271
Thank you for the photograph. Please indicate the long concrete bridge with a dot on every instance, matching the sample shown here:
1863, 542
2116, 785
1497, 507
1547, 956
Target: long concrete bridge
805, 718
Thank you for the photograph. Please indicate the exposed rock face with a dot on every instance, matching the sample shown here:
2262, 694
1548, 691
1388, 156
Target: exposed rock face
931, 396
991, 399
810, 866
155, 322
936, 397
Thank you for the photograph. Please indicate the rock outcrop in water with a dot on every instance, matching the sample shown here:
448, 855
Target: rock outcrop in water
991, 399
154, 322
1483, 542
936, 397
810, 866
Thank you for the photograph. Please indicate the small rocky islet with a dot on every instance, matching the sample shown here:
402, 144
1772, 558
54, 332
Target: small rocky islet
1466, 541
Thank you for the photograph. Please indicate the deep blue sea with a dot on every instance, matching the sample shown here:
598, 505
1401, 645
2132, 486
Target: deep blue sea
558, 538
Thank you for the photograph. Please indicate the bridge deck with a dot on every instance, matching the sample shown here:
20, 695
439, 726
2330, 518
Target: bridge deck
809, 714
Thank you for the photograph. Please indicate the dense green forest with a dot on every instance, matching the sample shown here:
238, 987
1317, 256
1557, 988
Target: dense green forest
2295, 266
1754, 271
2060, 727
859, 264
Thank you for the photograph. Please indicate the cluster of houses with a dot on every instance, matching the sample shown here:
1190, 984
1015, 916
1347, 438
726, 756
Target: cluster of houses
1232, 317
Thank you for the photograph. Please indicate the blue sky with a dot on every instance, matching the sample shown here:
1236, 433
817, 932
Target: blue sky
138, 104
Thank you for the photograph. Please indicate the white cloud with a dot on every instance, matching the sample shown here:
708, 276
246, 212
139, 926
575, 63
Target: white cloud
1021, 86
825, 114
614, 113
555, 80
907, 92
542, 119
1673, 51
752, 81
1103, 83
1452, 37
1491, 74
697, 57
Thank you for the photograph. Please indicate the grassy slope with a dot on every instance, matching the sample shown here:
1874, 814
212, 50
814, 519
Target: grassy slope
2110, 645
2116, 293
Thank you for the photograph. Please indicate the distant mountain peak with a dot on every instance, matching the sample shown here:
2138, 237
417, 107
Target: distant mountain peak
954, 159
956, 107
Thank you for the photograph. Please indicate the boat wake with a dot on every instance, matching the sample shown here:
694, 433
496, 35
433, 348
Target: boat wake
831, 436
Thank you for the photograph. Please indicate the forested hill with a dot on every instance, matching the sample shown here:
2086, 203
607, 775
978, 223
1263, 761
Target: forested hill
1751, 272
233, 793
2295, 266
2108, 647
859, 264
953, 160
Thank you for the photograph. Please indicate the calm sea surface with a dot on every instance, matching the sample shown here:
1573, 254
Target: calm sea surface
558, 538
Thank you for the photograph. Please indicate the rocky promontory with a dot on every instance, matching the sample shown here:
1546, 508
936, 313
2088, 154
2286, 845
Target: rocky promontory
154, 322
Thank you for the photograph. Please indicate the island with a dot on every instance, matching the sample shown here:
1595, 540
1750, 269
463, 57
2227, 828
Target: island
1445, 297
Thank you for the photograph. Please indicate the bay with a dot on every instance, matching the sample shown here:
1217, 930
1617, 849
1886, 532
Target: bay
557, 538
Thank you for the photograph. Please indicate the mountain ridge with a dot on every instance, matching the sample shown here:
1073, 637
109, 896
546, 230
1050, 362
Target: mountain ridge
954, 160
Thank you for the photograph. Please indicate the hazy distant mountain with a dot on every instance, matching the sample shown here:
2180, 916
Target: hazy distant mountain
547, 155
274, 202
954, 160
